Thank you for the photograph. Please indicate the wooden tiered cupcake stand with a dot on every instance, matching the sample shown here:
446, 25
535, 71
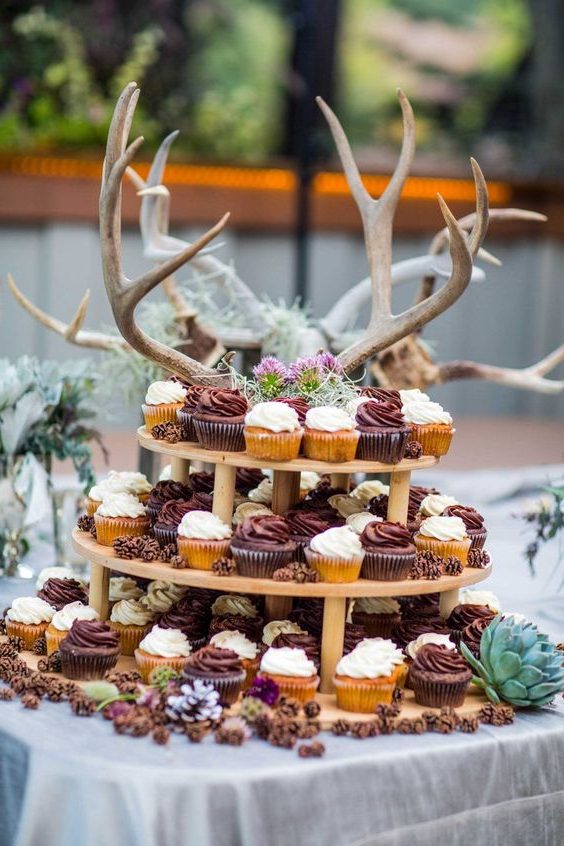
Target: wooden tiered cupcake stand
278, 595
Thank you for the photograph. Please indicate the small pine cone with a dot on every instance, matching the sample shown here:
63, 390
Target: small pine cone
128, 547
341, 727
223, 567
57, 691
30, 700
81, 705
384, 710
387, 725
311, 750
496, 715
16, 642
151, 550
282, 736
310, 728
178, 562
312, 709
7, 650
478, 558
85, 523
230, 736
7, 694
288, 706
40, 646
468, 724
195, 732
169, 432
427, 566
449, 711
560, 647
445, 724
429, 718
452, 566
53, 663
93, 531
161, 735
361, 729
168, 552
413, 450
398, 696
126, 682
262, 725
43, 665
415, 726
18, 683
283, 574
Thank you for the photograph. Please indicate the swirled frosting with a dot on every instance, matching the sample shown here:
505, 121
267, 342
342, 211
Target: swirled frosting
338, 542
433, 658
308, 643
30, 610
299, 405
436, 504
327, 418
287, 662
386, 535
464, 614
471, 518
249, 626
90, 634
223, 404
369, 489
353, 636
212, 661
416, 496
237, 643
203, 525
263, 493
122, 587
202, 481
412, 395
353, 405
278, 627
107, 486
192, 398
64, 618
201, 501
121, 505
309, 479
131, 612
304, 524
262, 532
358, 522
480, 597
172, 513
374, 416
471, 635
273, 416
376, 605
133, 482
250, 509
443, 528
165, 491
421, 413
56, 573
60, 592
232, 603
162, 393
166, 643
372, 658
161, 595
247, 478
382, 394
345, 504
414, 646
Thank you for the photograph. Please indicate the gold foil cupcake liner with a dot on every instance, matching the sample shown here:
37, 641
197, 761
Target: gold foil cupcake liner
434, 438
336, 447
201, 554
147, 663
272, 446
129, 636
53, 638
164, 413
334, 570
91, 505
444, 549
363, 695
28, 632
110, 528
302, 689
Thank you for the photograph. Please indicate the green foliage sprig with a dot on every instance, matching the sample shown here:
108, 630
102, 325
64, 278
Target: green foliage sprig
547, 521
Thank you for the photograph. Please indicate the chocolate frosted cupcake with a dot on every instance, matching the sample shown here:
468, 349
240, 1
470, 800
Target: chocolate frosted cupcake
219, 419
184, 415
247, 479
308, 643
378, 615
221, 667
168, 520
60, 592
261, 545
299, 405
410, 629
309, 616
303, 526
465, 614
389, 551
471, 635
202, 482
189, 620
389, 395
473, 521
439, 676
383, 432
249, 626
162, 493
318, 500
353, 636
89, 650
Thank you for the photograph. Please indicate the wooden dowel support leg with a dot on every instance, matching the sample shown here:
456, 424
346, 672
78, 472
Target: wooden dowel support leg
285, 490
340, 480
399, 497
224, 492
277, 607
180, 469
332, 638
447, 601
99, 593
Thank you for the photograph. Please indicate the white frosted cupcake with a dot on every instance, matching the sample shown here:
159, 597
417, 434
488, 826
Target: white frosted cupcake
359, 522
244, 648
249, 509
336, 554
120, 514
162, 648
276, 627
430, 424
130, 618
369, 489
263, 493
292, 670
124, 587
273, 432
232, 603
445, 536
309, 480
413, 395
62, 621
480, 597
379, 615
368, 675
203, 538
162, 402
133, 482
434, 505
345, 504
162, 595
96, 494
330, 435
28, 618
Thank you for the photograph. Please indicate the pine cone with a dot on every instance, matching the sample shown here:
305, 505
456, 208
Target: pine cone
16, 642
58, 691
413, 450
93, 531
126, 682
560, 647
282, 735
449, 711
151, 550
230, 736
427, 566
468, 724
310, 728
30, 700
444, 724
85, 523
478, 558
43, 665
311, 750
7, 650
429, 718
496, 715
341, 727
169, 432
262, 725
283, 574
387, 725
40, 646
178, 562
53, 662
385, 710
7, 694
452, 566
129, 547
81, 705
288, 706
397, 696
223, 567
195, 732
312, 709
361, 729
168, 552
137, 722
414, 726
18, 683
161, 735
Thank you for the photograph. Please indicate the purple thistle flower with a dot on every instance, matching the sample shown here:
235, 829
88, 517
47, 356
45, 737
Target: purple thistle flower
271, 375
116, 709
330, 362
307, 374
264, 689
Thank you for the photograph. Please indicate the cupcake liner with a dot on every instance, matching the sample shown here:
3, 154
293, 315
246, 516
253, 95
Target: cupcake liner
385, 446
164, 413
477, 539
435, 438
27, 631
302, 689
186, 422
435, 694
376, 625
363, 695
129, 636
53, 638
165, 537
386, 566
82, 667
336, 447
110, 528
147, 663
260, 563
201, 554
299, 554
225, 437
91, 505
272, 446
228, 686
443, 548
334, 570
251, 667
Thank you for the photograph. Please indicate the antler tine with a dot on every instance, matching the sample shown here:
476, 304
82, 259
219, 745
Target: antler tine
528, 379
481, 220
440, 240
377, 215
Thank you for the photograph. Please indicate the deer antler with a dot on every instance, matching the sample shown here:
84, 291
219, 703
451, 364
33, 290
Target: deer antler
125, 294
377, 216
529, 378
73, 331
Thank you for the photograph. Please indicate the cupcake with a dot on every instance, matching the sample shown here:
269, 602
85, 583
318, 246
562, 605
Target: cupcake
353, 636
163, 401
124, 587
114, 483
383, 432
345, 505
436, 505
191, 615
413, 395
120, 514
161, 595
421, 640
233, 603
263, 493
471, 635
28, 618
318, 500
389, 552
89, 650
369, 489
291, 669
303, 526
473, 521
251, 627
430, 424
310, 644
161, 648
445, 536
246, 650
382, 395
336, 554
162, 493
480, 597
359, 522
273, 432
261, 545
278, 627
308, 614
439, 676
130, 619
379, 615
202, 539
248, 478
133, 482
219, 419
166, 525
202, 482
309, 479
330, 435
368, 676
60, 592
220, 667
250, 509
184, 415
410, 629
57, 573
62, 621
298, 404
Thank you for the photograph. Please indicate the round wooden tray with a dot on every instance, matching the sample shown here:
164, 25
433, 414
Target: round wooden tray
194, 452
106, 557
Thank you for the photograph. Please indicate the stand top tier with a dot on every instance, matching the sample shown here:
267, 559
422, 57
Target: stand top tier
194, 452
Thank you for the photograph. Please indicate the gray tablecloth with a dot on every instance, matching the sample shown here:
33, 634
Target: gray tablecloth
66, 781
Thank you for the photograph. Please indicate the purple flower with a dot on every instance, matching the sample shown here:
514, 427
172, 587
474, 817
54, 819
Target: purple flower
330, 362
264, 689
116, 709
271, 376
307, 374
149, 696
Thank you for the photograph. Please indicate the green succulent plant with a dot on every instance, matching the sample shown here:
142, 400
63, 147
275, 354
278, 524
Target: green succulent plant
517, 664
